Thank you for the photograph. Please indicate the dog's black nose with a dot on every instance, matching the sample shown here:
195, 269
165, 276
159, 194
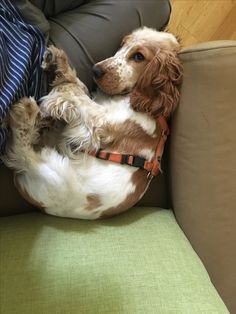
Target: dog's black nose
97, 71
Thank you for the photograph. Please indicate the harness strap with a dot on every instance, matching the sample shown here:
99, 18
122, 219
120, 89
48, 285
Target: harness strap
152, 167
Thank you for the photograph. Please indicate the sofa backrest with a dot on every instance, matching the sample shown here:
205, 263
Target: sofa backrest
53, 7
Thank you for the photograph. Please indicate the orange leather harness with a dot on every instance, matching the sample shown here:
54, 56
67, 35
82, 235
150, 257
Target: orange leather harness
152, 167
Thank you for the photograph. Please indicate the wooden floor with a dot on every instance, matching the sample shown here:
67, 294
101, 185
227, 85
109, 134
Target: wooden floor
197, 21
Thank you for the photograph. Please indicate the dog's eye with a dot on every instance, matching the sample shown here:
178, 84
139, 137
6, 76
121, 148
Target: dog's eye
137, 57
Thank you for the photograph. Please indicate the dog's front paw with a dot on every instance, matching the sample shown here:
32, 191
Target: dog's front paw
24, 113
52, 59
59, 109
49, 58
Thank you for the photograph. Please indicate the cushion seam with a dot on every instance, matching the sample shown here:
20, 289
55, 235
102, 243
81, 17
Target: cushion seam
206, 49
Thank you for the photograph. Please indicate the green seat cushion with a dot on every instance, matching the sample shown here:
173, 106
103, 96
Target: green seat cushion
138, 262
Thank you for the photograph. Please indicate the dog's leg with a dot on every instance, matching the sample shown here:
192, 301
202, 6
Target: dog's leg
68, 101
56, 62
39, 175
24, 133
60, 103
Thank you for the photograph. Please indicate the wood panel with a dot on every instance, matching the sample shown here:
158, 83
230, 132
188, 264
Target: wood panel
201, 20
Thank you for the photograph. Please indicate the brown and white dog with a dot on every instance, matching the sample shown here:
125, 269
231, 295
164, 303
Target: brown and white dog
143, 80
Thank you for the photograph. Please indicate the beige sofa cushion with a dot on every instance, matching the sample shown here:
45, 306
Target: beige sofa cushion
203, 160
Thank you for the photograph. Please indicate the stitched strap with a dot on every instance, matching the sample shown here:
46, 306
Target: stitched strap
136, 161
122, 159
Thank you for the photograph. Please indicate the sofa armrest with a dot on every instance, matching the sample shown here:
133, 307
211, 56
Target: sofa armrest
203, 160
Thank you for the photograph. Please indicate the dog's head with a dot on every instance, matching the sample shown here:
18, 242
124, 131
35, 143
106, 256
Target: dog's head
147, 66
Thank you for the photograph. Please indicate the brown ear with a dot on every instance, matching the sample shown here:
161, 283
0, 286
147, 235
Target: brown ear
157, 90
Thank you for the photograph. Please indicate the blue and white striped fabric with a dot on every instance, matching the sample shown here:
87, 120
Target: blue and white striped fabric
21, 50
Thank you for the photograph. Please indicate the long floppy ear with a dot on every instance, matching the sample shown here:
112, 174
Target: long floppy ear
157, 90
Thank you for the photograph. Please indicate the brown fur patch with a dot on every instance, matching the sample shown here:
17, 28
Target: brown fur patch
94, 201
128, 138
157, 89
141, 181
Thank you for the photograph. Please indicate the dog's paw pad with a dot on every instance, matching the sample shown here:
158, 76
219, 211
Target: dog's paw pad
49, 58
53, 58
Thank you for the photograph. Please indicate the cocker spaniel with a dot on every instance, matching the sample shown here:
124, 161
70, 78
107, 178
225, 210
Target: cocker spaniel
96, 157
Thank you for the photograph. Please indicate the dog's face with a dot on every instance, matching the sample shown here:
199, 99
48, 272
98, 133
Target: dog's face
120, 73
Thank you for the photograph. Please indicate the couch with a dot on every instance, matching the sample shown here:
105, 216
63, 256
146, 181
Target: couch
175, 251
